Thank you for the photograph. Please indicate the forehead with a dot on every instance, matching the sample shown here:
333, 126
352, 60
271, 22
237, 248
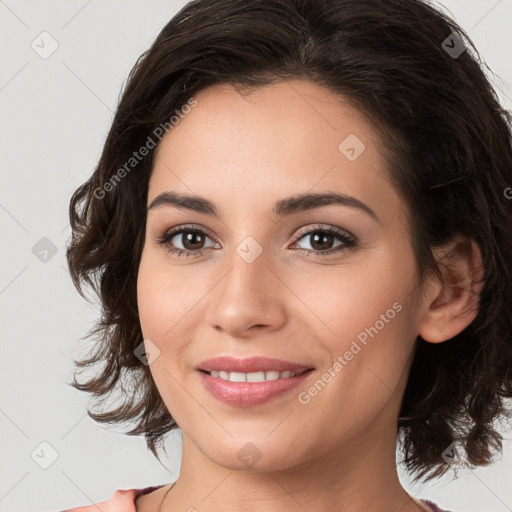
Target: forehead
290, 137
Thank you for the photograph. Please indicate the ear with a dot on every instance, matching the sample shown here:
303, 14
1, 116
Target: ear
449, 306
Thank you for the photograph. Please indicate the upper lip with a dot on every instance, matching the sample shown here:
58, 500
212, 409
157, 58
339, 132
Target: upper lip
251, 364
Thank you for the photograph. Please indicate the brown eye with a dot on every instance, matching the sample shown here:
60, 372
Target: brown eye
191, 240
321, 240
184, 240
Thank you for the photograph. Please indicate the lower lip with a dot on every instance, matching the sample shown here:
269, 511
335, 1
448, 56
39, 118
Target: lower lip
245, 394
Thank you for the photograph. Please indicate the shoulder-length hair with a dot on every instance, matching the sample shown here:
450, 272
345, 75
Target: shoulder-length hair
417, 77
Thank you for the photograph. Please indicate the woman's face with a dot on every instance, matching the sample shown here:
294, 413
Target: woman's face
262, 278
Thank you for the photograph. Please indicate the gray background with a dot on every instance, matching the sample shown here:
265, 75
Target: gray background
55, 114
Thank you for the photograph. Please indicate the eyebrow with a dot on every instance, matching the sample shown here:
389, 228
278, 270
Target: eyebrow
283, 207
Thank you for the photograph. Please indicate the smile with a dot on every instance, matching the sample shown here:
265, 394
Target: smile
251, 389
261, 376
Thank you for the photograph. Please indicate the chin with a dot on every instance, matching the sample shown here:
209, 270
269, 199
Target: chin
258, 455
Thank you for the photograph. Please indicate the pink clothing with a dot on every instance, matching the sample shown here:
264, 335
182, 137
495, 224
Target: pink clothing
124, 501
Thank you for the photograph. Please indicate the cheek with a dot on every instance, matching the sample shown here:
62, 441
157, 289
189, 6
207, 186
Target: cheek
368, 311
364, 380
161, 306
164, 296
348, 300
151, 300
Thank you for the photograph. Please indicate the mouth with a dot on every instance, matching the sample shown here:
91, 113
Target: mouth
251, 381
251, 365
260, 376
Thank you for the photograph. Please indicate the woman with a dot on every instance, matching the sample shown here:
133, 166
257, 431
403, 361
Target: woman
300, 232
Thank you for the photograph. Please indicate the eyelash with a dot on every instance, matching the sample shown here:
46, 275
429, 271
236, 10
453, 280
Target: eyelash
349, 242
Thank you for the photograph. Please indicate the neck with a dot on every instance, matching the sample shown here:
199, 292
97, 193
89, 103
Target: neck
348, 480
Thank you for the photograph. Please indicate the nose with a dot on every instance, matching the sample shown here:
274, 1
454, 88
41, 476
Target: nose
249, 298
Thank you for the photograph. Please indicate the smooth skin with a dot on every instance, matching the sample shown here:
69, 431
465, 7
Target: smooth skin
244, 153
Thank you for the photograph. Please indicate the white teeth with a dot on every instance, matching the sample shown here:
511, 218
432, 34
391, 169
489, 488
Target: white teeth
255, 377
237, 377
251, 377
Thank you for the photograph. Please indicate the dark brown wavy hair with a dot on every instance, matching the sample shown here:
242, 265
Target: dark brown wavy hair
447, 143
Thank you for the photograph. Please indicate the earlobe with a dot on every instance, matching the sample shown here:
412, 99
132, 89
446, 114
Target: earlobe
451, 305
